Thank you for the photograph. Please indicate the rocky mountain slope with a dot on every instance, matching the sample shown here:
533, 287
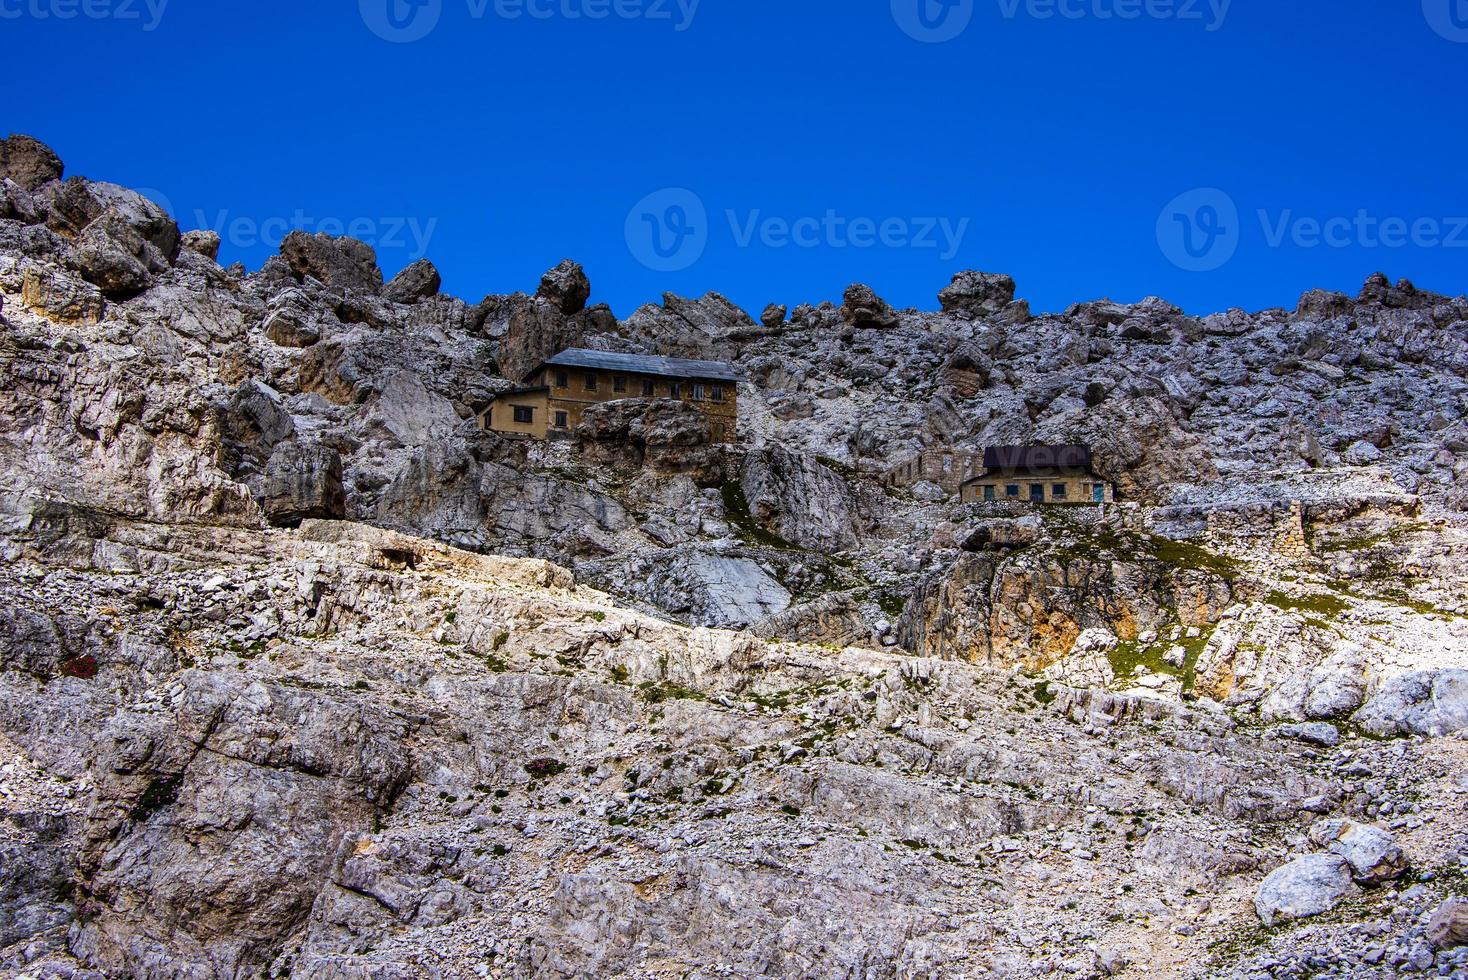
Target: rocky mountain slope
305, 675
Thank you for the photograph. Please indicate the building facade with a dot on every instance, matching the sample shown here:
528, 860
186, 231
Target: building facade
560, 390
1038, 475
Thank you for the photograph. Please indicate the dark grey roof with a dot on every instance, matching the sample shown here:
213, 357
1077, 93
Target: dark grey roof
664, 367
1021, 458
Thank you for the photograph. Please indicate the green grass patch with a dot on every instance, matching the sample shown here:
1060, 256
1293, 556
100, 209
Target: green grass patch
741, 520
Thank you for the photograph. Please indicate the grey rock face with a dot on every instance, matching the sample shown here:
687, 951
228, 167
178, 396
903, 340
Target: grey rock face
1306, 887
303, 482
864, 308
774, 316
566, 287
1448, 927
977, 293
1418, 703
664, 435
342, 262
29, 162
205, 243
708, 328
1372, 853
801, 500
1315, 733
418, 281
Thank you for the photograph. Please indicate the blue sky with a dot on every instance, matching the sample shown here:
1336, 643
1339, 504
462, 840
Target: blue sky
781, 149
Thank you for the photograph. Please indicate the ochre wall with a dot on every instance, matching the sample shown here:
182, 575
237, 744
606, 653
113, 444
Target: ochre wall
501, 415
1078, 489
573, 398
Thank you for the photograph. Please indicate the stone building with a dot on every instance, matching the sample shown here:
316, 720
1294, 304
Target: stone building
1037, 475
948, 468
560, 390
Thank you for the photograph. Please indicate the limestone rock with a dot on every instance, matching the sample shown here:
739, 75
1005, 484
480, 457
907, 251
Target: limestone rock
864, 308
303, 482
342, 262
774, 316
978, 294
29, 162
1372, 853
205, 243
566, 287
1306, 887
1448, 927
418, 281
1418, 703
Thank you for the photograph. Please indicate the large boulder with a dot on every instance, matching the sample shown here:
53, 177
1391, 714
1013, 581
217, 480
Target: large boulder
303, 482
1306, 887
566, 287
1424, 702
29, 162
1371, 852
864, 308
205, 243
418, 281
1448, 926
342, 262
978, 294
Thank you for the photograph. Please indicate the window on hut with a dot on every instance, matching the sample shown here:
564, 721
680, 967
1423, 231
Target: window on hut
524, 414
562, 420
590, 381
619, 383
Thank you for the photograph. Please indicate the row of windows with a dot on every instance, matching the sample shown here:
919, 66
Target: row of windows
525, 415
1058, 491
591, 382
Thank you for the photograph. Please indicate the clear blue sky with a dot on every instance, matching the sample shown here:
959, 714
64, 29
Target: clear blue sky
512, 141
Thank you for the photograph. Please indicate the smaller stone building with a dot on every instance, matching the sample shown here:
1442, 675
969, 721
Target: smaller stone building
1037, 475
560, 390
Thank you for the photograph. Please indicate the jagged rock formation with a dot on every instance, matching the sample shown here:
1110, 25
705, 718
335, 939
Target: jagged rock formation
303, 672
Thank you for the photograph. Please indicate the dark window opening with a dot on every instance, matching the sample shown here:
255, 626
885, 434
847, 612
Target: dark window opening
649, 389
1012, 490
698, 393
562, 421
990, 494
619, 383
1037, 493
675, 391
717, 394
524, 414
1059, 491
563, 380
591, 382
